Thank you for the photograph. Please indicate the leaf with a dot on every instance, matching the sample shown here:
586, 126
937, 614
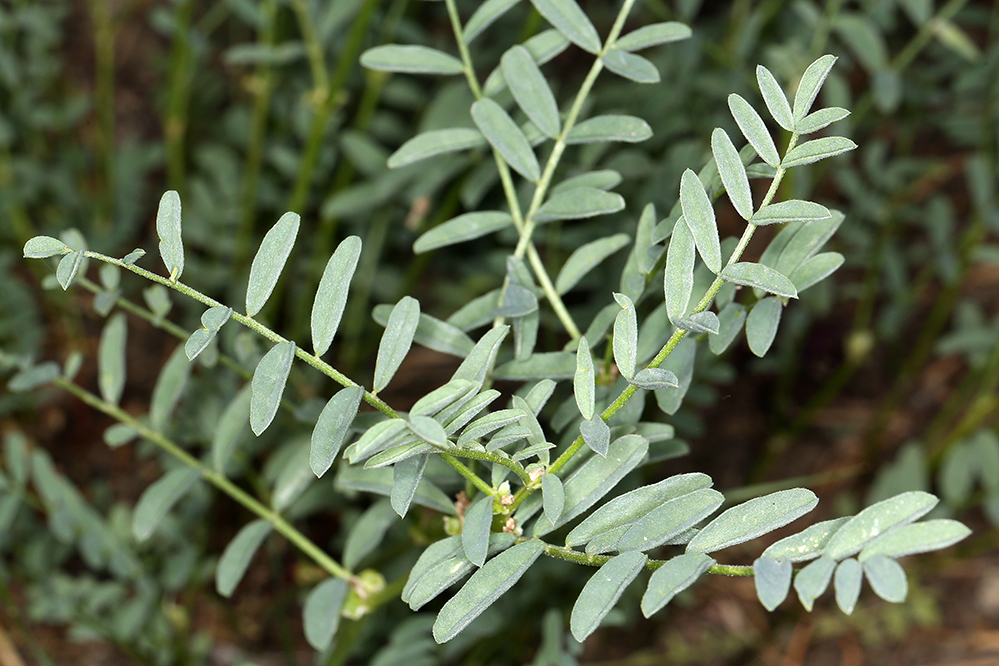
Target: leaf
774, 97
452, 396
630, 66
602, 591
877, 519
212, 321
653, 35
269, 261
410, 59
546, 365
491, 422
595, 478
620, 128
332, 426
808, 88
671, 518
33, 377
754, 518
506, 137
429, 430
807, 544
820, 119
700, 322
111, 359
432, 333
441, 565
475, 530
603, 179
700, 218
230, 428
237, 555
654, 379
847, 581
466, 227
730, 321
579, 203
887, 578
380, 481
267, 385
168, 389
321, 612
367, 533
587, 257
483, 17
293, 477
331, 296
813, 580
678, 279
792, 210
916, 538
817, 149
133, 256
583, 381
407, 476
543, 47
68, 267
435, 142
596, 433
552, 496
484, 587
396, 340
626, 336
754, 129
816, 269
168, 230
41, 247
773, 581
480, 360
159, 498
396, 454
531, 90
732, 172
674, 576
566, 17
757, 275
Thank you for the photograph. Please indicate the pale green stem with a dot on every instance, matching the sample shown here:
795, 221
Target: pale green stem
302, 542
570, 555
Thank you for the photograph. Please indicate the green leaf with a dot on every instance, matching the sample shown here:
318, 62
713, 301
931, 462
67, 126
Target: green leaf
237, 555
543, 47
817, 149
654, 379
396, 340
624, 129
531, 90
678, 280
773, 581
269, 261
429, 430
595, 478
626, 336
813, 580
293, 477
396, 454
410, 59
700, 218
552, 497
451, 397
212, 321
435, 142
168, 230
480, 360
876, 520
159, 498
700, 322
757, 275
484, 587
483, 17
332, 426
792, 210
671, 518
732, 172
807, 544
33, 377
546, 365
443, 564
367, 533
653, 35
407, 475
808, 87
602, 591
466, 227
380, 482
803, 241
267, 385
41, 247
887, 578
491, 422
754, 129
916, 538
133, 256
583, 381
603, 179
475, 530
168, 389
231, 426
815, 269
111, 359
847, 580
321, 612
730, 321
377, 438
754, 518
674, 576
566, 17
587, 257
68, 267
820, 119
630, 66
432, 333
506, 137
596, 433
331, 296
774, 97
579, 203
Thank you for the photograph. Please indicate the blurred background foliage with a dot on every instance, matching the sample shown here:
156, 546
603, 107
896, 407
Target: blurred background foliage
884, 379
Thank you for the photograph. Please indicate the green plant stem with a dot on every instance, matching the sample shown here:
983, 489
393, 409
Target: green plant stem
218, 480
178, 97
576, 557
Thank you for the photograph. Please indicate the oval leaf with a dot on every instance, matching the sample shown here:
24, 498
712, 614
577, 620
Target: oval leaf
41, 247
579, 203
774, 97
630, 66
916, 538
877, 519
757, 275
700, 218
483, 17
762, 323
321, 612
231, 426
602, 591
773, 581
732, 172
435, 142
111, 358
583, 381
237, 555
159, 498
531, 90
813, 580
808, 87
267, 385
751, 519
587, 257
624, 129
626, 337
410, 59
653, 379
596, 433
506, 137
887, 578
168, 230
806, 545
331, 296
396, 340
653, 35
566, 17
754, 129
675, 576
792, 210
847, 581
68, 267
269, 261
331, 428
820, 119
466, 227
475, 530
817, 149
678, 279
552, 496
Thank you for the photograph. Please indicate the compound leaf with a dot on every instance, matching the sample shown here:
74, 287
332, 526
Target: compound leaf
602, 591
754, 129
754, 518
267, 385
410, 59
159, 498
331, 428
506, 137
396, 340
269, 261
321, 612
168, 230
566, 17
331, 296
237, 555
531, 90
